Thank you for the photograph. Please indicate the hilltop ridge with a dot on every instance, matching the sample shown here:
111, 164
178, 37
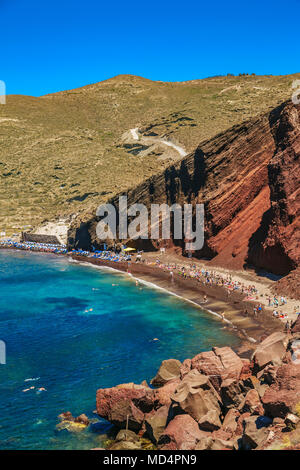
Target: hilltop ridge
62, 154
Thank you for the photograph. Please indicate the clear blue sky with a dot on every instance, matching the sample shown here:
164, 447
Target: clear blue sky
48, 46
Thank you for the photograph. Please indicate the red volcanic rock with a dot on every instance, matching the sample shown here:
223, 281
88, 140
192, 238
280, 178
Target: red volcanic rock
182, 433
253, 435
156, 422
125, 402
196, 396
246, 369
219, 364
231, 393
296, 325
162, 396
240, 423
271, 350
210, 421
169, 370
230, 421
185, 368
283, 396
275, 246
249, 179
208, 363
252, 404
231, 362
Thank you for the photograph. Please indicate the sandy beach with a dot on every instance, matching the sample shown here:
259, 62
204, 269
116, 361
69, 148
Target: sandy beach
229, 306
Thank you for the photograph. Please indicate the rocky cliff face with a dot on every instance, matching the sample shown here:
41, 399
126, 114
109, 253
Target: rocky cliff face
248, 180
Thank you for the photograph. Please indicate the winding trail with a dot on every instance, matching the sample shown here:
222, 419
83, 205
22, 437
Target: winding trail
136, 136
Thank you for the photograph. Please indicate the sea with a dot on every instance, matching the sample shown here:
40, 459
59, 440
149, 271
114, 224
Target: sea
71, 329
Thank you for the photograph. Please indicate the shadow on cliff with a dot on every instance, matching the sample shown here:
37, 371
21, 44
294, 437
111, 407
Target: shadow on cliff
186, 181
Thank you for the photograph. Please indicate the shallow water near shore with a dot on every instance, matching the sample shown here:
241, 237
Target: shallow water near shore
76, 329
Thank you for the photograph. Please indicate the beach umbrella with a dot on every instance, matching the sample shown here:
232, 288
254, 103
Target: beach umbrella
130, 249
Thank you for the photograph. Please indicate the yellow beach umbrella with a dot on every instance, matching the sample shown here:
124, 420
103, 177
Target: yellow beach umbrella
129, 249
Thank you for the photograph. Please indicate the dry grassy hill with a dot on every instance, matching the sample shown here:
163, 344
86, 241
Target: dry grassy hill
64, 153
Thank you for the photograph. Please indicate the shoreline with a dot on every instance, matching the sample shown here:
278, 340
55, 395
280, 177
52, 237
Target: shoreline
238, 312
249, 328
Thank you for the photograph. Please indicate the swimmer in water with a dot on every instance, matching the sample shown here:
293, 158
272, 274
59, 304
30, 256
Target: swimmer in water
27, 389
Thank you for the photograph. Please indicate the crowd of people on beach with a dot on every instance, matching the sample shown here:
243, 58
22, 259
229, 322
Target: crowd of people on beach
213, 278
105, 255
200, 274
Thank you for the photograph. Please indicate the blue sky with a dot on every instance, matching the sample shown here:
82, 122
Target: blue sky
47, 46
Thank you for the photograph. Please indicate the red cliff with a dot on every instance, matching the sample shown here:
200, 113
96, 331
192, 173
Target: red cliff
248, 180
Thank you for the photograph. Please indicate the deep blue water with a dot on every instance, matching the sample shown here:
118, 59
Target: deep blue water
79, 328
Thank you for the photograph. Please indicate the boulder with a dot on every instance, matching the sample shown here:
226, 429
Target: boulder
210, 421
240, 424
182, 433
215, 443
230, 421
185, 368
70, 426
296, 326
66, 416
156, 423
169, 370
127, 435
207, 363
196, 396
125, 405
253, 435
205, 443
246, 369
162, 395
125, 445
231, 362
231, 393
251, 403
268, 374
219, 364
291, 420
221, 444
271, 350
283, 396
83, 419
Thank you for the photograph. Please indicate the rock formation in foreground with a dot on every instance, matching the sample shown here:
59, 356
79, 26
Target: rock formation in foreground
249, 181
214, 401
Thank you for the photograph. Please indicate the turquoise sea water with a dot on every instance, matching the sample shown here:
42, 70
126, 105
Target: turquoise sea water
78, 328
